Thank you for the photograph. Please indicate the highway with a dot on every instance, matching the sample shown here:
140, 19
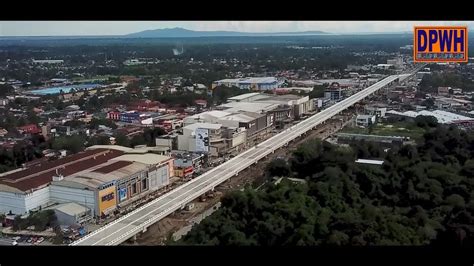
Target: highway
138, 220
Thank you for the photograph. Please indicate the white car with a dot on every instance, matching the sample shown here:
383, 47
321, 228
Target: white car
14, 243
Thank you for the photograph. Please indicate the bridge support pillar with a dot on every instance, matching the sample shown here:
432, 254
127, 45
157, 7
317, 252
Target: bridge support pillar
134, 238
144, 230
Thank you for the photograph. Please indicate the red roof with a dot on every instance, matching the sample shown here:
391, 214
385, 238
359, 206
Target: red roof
200, 101
112, 167
31, 128
42, 174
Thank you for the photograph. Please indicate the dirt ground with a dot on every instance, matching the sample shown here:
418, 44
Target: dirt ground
158, 233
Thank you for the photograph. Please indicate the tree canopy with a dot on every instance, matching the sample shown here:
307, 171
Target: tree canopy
421, 195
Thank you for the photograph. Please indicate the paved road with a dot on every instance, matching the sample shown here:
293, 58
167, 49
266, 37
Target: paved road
6, 241
127, 226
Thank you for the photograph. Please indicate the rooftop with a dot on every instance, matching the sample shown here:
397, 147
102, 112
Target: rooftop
364, 116
42, 174
239, 117
95, 177
148, 158
111, 147
195, 126
443, 117
366, 161
255, 107
249, 80
71, 208
243, 96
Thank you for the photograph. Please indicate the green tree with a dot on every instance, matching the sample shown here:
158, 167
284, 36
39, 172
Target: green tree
74, 143
122, 140
6, 89
220, 94
317, 92
278, 167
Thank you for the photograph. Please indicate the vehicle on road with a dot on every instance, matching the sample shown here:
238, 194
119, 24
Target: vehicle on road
14, 243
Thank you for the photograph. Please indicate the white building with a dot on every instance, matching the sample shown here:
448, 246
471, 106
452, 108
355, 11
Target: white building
378, 111
190, 139
90, 178
365, 120
443, 117
255, 84
48, 61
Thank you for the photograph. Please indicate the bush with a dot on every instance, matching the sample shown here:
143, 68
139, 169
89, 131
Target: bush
40, 220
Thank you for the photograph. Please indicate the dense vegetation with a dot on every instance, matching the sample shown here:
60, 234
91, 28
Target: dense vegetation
430, 83
40, 220
422, 195
22, 152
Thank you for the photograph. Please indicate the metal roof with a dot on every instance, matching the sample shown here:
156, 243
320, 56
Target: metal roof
148, 159
249, 80
366, 161
93, 179
443, 117
243, 96
71, 208
39, 176
111, 147
195, 126
256, 107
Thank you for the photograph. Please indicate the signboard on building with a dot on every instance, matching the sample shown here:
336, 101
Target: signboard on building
270, 119
107, 199
202, 139
122, 194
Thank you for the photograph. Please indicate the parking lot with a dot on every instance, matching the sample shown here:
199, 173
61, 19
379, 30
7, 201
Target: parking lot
24, 241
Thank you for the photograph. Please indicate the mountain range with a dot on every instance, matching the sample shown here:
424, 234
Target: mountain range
185, 33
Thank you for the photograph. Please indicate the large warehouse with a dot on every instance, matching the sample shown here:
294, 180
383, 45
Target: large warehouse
100, 178
256, 84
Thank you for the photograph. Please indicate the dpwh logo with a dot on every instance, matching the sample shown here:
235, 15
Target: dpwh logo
440, 44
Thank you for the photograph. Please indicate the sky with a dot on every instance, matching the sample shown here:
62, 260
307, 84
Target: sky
70, 28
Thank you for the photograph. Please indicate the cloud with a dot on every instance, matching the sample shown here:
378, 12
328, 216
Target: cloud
45, 28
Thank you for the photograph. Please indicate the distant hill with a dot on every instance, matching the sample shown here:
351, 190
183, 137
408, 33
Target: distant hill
184, 33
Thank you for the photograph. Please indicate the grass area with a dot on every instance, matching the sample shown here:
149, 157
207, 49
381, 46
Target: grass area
404, 129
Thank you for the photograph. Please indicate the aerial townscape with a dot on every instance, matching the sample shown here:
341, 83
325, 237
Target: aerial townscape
182, 137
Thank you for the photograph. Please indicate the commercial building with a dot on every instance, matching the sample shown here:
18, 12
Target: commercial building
212, 139
262, 103
254, 84
115, 183
129, 117
211, 117
254, 107
333, 92
199, 137
187, 159
101, 179
247, 97
24, 190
